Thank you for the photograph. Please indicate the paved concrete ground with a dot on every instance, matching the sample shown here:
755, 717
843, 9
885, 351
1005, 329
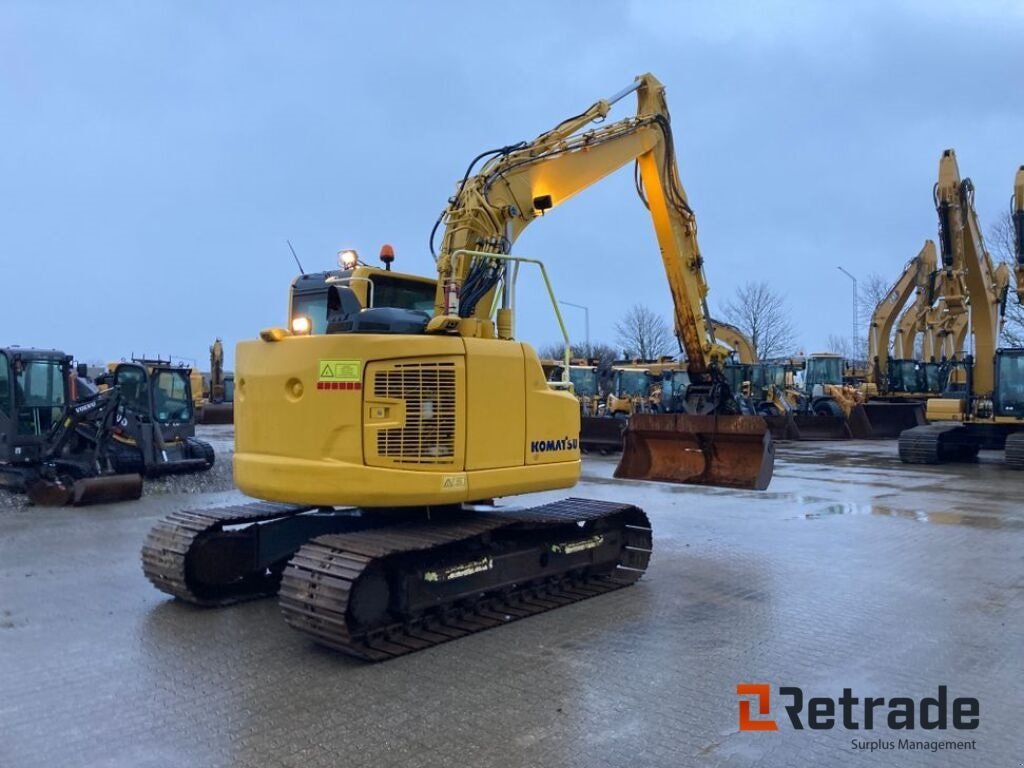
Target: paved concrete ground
852, 571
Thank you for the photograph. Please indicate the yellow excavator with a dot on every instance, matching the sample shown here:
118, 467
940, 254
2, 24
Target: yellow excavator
377, 443
217, 407
988, 412
894, 400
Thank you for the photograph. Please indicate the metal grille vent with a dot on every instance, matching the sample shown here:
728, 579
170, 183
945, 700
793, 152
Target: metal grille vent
428, 390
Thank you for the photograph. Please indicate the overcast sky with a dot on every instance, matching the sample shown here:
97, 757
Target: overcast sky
155, 156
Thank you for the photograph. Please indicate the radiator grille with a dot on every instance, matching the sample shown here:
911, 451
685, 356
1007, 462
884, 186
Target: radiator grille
428, 436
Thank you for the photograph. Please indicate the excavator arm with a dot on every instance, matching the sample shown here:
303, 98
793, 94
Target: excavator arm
916, 274
913, 320
735, 339
520, 183
711, 443
968, 270
1017, 216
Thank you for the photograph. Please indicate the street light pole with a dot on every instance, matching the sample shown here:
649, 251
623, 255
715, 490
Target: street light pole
856, 316
586, 319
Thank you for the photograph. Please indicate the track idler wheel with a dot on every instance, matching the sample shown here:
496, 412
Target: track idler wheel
727, 451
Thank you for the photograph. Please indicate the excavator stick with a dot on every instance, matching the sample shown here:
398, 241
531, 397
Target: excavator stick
90, 490
728, 451
880, 419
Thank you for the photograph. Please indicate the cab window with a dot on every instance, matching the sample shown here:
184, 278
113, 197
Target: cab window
403, 294
5, 385
172, 398
40, 395
131, 381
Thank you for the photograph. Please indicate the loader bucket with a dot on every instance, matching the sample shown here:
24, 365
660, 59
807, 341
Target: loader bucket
727, 451
814, 427
601, 433
782, 426
879, 419
90, 490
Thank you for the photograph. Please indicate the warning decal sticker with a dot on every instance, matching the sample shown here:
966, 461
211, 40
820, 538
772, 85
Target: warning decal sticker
340, 374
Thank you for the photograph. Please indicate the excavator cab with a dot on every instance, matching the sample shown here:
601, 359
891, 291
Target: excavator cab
155, 434
371, 286
34, 390
1008, 396
907, 376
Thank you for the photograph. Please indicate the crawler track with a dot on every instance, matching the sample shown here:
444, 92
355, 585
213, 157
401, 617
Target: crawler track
165, 555
383, 593
1015, 450
936, 444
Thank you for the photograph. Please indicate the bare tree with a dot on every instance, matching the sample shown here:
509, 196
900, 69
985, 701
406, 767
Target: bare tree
605, 354
763, 316
870, 292
1000, 239
644, 334
845, 346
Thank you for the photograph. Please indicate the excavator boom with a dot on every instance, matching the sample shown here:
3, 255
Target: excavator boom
523, 182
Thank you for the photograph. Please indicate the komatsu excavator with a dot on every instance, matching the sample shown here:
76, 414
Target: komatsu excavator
990, 412
375, 442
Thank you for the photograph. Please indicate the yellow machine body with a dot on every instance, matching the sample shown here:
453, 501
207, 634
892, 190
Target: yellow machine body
396, 420
945, 409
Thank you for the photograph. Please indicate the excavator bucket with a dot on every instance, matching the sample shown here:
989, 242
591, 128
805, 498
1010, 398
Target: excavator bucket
90, 490
879, 419
728, 451
216, 413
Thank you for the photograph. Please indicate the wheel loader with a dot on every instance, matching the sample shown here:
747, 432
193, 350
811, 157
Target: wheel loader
378, 444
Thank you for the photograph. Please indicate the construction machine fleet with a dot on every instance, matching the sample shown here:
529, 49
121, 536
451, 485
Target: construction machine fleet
376, 439
64, 441
988, 411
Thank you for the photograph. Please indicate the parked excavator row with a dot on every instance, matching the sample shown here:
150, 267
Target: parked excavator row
987, 411
65, 441
377, 437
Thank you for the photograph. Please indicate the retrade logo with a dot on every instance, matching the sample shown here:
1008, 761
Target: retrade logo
849, 712
763, 692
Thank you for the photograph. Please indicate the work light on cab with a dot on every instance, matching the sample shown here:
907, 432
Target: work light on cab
347, 259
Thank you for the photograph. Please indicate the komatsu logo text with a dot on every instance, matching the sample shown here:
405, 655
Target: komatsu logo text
554, 446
